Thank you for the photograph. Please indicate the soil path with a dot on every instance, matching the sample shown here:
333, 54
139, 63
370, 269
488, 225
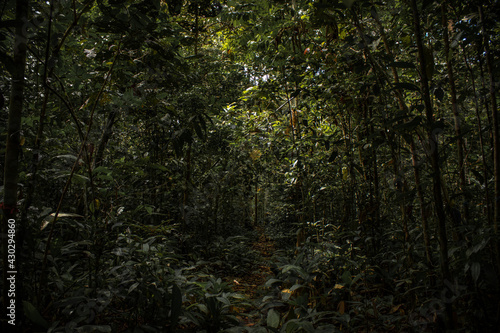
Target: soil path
252, 285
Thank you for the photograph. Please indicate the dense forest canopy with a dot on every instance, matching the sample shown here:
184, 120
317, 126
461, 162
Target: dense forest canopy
250, 165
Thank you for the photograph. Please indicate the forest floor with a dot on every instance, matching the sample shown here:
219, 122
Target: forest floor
252, 285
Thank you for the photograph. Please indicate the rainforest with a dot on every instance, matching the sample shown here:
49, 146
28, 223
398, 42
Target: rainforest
250, 166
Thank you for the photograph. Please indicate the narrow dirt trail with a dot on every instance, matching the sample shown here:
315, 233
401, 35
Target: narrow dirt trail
252, 285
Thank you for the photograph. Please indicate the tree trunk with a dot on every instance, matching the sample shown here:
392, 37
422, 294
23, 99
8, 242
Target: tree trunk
477, 108
415, 164
496, 135
256, 203
400, 181
13, 148
420, 195
458, 132
434, 156
187, 183
106, 135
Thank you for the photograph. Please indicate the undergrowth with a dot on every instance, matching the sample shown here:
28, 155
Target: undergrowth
129, 277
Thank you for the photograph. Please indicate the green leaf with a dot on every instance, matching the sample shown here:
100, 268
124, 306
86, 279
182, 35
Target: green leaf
347, 278
355, 279
101, 169
307, 326
270, 282
67, 157
224, 300
50, 218
149, 209
273, 318
32, 314
296, 286
295, 269
159, 167
203, 308
291, 326
132, 287
238, 296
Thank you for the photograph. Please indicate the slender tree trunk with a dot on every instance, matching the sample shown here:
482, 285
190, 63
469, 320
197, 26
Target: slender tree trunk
48, 73
12, 150
256, 204
456, 116
416, 171
484, 99
106, 135
434, 155
375, 193
420, 195
481, 140
400, 181
496, 134
403, 107
187, 182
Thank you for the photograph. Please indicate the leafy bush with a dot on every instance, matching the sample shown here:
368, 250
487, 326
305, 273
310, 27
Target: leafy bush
213, 305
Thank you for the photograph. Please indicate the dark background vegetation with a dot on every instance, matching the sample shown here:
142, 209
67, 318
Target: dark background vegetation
147, 146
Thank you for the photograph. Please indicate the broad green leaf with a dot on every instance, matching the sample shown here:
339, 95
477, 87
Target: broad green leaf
270, 282
238, 296
291, 326
296, 286
347, 278
286, 294
203, 308
223, 300
273, 318
298, 270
